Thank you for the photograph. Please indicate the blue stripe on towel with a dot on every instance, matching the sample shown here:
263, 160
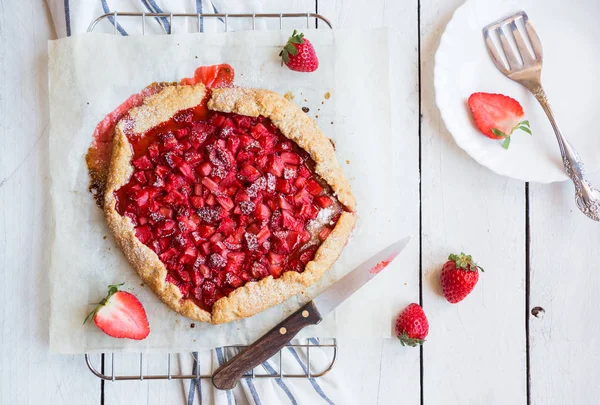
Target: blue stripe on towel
253, 391
216, 11
199, 11
192, 390
313, 382
112, 19
157, 9
67, 17
221, 359
280, 382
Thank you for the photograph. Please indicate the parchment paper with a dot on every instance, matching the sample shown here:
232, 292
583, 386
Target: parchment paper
91, 74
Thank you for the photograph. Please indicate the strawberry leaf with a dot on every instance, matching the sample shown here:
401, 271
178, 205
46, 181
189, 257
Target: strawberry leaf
464, 261
525, 129
406, 340
499, 133
112, 289
506, 142
291, 49
526, 123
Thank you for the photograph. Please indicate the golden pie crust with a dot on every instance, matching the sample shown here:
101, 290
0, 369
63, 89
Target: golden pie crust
253, 297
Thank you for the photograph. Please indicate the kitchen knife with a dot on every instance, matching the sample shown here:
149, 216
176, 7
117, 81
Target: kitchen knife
227, 376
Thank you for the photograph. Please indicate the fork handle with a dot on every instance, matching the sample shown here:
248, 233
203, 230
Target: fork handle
586, 196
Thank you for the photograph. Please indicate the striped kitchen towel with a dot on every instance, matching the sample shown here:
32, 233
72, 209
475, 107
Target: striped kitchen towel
73, 17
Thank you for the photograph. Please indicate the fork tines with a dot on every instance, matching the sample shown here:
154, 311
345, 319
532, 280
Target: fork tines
522, 56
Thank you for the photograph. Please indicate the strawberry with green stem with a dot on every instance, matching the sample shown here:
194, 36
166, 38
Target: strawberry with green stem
298, 54
459, 276
412, 326
497, 116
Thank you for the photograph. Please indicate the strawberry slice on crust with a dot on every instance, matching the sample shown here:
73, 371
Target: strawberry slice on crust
497, 115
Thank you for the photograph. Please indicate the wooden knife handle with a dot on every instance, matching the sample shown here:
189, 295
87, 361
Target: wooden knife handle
227, 376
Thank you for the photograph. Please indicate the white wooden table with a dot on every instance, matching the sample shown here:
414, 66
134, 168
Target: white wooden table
538, 250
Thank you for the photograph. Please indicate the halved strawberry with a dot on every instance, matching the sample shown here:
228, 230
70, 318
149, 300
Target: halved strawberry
120, 315
497, 116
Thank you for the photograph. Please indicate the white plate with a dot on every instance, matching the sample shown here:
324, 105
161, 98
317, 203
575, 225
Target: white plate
570, 76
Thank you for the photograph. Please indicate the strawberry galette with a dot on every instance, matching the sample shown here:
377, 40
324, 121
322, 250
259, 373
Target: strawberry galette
225, 201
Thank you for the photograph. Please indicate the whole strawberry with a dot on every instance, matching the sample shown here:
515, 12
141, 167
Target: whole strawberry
459, 276
412, 326
120, 315
299, 55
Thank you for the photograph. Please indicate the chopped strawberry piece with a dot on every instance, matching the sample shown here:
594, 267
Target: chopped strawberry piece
210, 184
140, 177
187, 171
314, 187
225, 202
204, 169
233, 144
323, 201
168, 255
140, 197
259, 270
275, 270
210, 200
262, 212
284, 186
153, 152
172, 159
307, 255
206, 231
290, 157
197, 202
193, 157
142, 163
263, 235
259, 130
227, 226
324, 233
249, 172
144, 233
276, 165
233, 280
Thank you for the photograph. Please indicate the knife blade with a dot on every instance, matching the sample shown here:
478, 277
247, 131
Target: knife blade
227, 376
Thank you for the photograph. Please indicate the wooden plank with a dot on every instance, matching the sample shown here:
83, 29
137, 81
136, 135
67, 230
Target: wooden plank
564, 284
28, 373
377, 372
476, 350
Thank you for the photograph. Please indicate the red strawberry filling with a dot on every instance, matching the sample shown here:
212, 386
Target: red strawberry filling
224, 199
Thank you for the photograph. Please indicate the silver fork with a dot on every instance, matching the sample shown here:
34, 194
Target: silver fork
527, 71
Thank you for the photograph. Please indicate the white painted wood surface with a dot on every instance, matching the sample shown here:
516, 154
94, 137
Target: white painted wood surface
476, 349
476, 352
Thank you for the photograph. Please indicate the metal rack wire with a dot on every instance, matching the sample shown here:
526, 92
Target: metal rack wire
308, 371
114, 374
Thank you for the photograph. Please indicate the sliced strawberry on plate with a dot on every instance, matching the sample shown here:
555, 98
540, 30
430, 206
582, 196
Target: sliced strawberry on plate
120, 315
497, 116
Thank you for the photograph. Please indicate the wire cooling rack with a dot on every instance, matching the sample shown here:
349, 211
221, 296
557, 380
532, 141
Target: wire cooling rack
106, 366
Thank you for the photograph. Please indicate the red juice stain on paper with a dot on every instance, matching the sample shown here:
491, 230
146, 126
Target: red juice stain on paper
98, 155
379, 266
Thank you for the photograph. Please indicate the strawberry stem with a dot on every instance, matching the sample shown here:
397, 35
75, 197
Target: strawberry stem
289, 48
112, 289
464, 261
406, 340
523, 125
